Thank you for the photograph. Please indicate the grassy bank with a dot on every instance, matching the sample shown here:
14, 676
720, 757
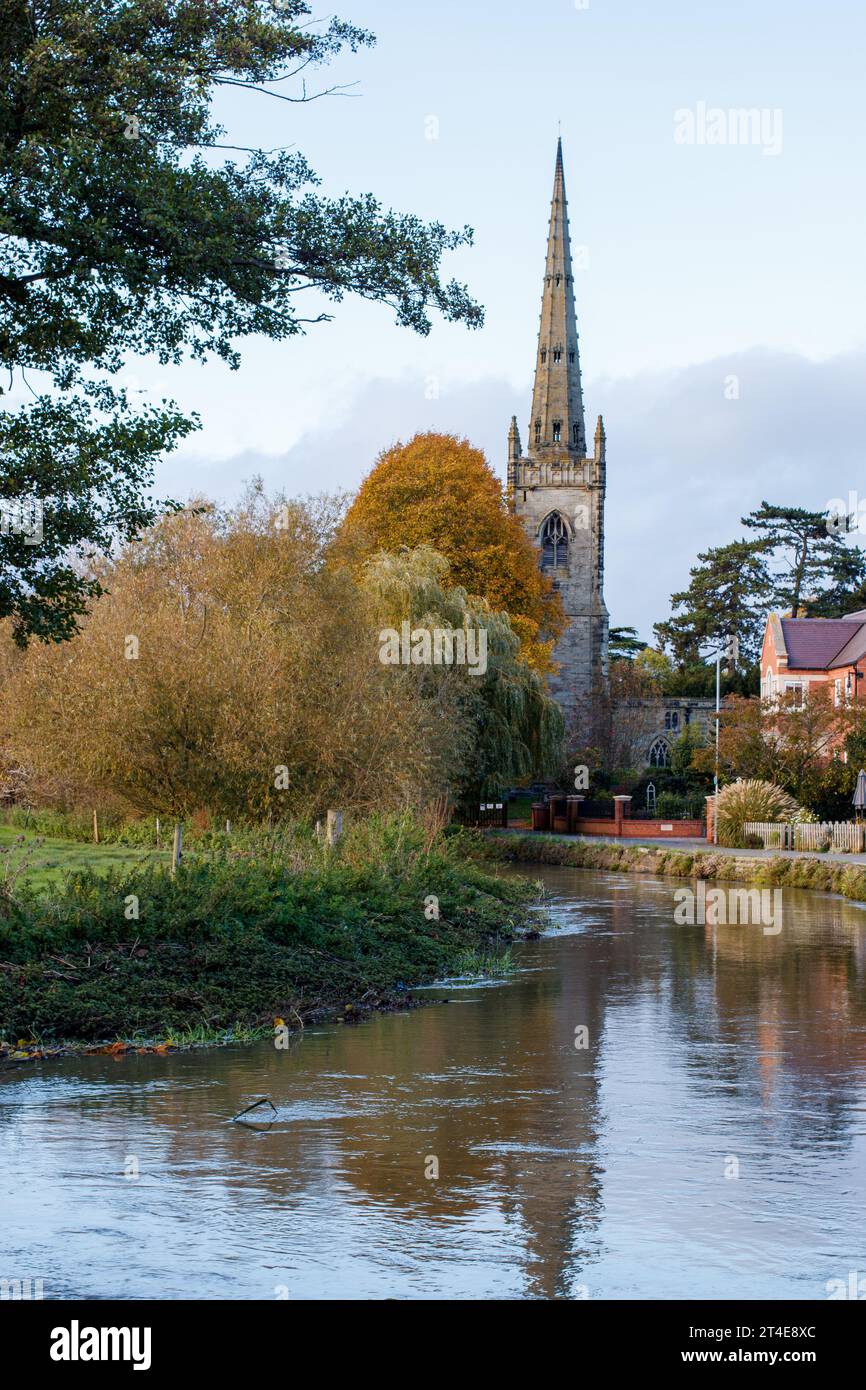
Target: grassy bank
277, 928
44, 862
830, 877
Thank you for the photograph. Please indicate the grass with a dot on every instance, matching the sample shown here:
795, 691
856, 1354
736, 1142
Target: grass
805, 872
491, 965
275, 927
44, 863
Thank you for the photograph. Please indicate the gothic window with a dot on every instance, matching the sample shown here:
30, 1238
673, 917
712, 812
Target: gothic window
571, 356
557, 431
554, 543
538, 431
658, 754
543, 355
558, 278
576, 433
557, 354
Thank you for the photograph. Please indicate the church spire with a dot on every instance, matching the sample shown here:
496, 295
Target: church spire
557, 423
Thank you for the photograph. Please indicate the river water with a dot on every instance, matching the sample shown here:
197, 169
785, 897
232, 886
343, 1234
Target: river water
708, 1142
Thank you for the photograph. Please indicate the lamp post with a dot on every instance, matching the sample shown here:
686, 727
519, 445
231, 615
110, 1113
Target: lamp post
716, 775
731, 652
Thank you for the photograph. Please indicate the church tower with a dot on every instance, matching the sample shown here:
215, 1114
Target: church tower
556, 487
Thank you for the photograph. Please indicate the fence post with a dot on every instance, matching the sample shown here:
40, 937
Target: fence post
95, 827
157, 832
177, 847
334, 827
620, 809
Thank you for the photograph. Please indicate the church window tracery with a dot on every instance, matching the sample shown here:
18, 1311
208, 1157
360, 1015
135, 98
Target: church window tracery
554, 543
658, 754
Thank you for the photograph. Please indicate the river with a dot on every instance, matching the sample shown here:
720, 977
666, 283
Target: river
708, 1142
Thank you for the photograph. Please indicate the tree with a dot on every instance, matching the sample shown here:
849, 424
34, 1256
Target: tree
623, 644
683, 752
745, 748
439, 491
130, 226
796, 746
656, 666
227, 667
845, 590
616, 724
726, 597
807, 552
512, 728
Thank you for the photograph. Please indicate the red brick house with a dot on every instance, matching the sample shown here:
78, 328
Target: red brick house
798, 653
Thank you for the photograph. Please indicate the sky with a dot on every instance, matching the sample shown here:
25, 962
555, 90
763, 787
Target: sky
720, 290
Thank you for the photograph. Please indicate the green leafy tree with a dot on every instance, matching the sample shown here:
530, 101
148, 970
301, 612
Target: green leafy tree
684, 749
131, 225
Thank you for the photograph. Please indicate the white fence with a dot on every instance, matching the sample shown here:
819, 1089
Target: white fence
843, 835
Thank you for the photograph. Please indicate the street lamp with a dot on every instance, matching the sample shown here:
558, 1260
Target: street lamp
731, 654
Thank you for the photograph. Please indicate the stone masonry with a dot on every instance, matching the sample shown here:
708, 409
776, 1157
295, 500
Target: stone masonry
557, 488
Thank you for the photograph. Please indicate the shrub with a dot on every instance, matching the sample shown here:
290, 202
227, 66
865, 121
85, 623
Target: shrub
750, 800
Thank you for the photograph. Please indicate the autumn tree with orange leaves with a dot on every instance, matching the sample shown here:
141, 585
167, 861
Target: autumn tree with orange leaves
438, 490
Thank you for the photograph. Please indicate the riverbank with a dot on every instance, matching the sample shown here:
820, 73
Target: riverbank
818, 872
281, 929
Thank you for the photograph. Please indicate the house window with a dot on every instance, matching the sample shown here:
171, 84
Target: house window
557, 354
837, 693
658, 754
554, 543
796, 694
557, 431
538, 431
672, 719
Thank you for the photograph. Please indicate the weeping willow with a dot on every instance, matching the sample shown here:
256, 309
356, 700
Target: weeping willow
512, 728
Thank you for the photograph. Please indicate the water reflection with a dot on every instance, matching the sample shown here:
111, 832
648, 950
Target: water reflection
562, 1172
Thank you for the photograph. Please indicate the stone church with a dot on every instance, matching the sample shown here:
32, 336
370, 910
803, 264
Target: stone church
557, 489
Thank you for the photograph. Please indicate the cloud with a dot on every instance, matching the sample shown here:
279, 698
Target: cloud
690, 452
